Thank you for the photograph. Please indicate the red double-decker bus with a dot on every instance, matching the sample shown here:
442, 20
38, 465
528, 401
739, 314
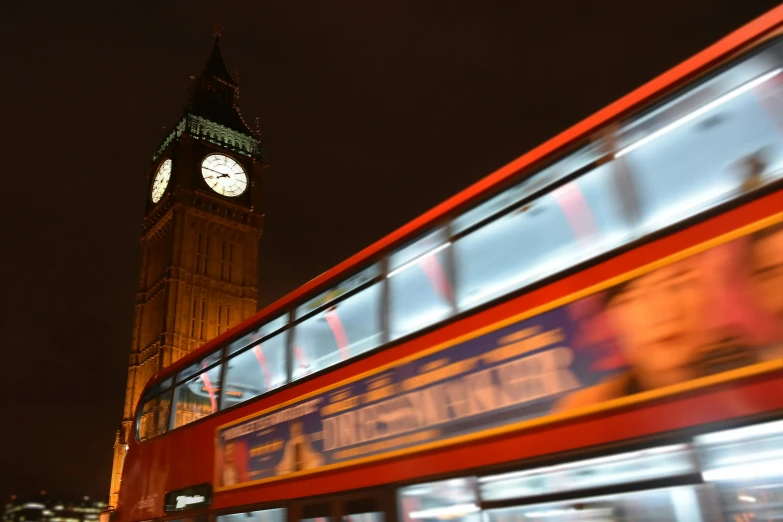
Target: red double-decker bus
592, 332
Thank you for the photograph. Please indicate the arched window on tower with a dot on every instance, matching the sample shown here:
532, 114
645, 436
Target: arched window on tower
199, 254
220, 320
206, 255
193, 318
230, 259
203, 320
226, 260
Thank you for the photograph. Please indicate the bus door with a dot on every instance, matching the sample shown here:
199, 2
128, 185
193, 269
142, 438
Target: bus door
373, 506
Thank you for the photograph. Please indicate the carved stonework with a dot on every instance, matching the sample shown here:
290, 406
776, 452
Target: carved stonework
215, 133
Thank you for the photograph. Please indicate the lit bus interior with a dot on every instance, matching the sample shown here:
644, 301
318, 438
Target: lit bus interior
735, 472
733, 475
717, 141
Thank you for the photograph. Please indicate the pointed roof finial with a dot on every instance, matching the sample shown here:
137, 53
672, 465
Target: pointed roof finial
214, 93
217, 29
216, 65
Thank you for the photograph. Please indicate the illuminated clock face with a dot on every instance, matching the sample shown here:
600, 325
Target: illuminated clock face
161, 180
224, 175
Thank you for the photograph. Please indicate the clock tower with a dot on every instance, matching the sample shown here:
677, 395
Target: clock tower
199, 238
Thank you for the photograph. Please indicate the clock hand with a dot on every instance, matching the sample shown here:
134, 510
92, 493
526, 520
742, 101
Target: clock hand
221, 175
212, 170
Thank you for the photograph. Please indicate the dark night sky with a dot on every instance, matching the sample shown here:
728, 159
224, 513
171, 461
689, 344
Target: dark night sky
371, 113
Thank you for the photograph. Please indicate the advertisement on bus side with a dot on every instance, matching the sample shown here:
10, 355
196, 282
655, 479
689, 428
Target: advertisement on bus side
685, 321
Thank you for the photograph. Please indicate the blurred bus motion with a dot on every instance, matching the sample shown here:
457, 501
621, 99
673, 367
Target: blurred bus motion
593, 332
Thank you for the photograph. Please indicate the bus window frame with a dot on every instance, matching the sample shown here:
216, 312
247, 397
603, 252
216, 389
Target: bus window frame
337, 300
177, 383
260, 340
385, 496
684, 85
140, 410
247, 508
249, 346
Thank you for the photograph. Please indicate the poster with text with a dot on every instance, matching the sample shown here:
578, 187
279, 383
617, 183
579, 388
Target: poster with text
707, 314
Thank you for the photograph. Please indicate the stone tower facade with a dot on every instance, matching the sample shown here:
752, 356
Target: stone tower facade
199, 237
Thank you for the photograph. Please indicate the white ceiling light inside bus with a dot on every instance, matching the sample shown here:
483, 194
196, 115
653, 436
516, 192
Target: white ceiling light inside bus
446, 512
745, 433
751, 471
747, 453
675, 449
549, 513
699, 112
416, 259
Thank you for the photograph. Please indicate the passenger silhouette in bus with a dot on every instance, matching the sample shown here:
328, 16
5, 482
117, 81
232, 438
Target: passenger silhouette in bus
658, 318
298, 454
752, 169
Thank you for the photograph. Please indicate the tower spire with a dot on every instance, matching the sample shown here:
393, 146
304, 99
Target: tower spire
215, 92
216, 64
